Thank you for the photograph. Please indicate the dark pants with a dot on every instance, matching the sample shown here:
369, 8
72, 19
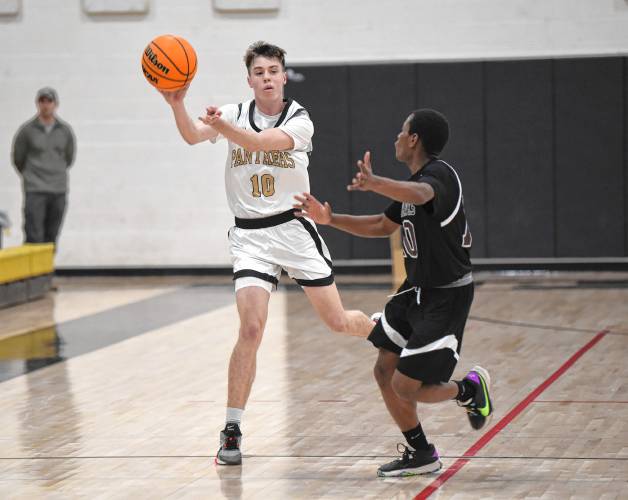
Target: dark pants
43, 214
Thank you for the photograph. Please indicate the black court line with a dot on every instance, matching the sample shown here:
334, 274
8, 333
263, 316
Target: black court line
537, 326
452, 457
577, 285
94, 331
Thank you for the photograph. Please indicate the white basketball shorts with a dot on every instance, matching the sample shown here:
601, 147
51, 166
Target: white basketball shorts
261, 248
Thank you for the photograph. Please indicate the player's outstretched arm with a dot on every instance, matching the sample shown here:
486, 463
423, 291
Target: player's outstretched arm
272, 139
192, 131
368, 226
417, 193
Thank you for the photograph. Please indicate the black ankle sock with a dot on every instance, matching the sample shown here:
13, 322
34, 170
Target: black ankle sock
466, 390
416, 438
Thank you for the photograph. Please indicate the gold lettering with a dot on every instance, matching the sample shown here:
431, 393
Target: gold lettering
289, 160
248, 157
275, 155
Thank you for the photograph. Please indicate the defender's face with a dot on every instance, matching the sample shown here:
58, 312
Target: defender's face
405, 142
267, 78
46, 107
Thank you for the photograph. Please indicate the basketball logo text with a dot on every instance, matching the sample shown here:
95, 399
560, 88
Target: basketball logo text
149, 76
152, 57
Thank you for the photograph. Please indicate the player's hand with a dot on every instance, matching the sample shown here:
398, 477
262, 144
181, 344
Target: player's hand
175, 96
212, 115
314, 209
363, 180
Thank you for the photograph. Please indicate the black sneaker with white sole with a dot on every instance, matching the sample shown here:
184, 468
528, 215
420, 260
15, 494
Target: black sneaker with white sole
229, 452
411, 463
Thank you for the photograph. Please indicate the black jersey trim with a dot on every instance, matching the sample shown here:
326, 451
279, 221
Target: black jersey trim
252, 273
317, 239
282, 117
262, 222
239, 111
298, 112
326, 281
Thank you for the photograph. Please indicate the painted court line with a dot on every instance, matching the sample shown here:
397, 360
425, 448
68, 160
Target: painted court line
509, 417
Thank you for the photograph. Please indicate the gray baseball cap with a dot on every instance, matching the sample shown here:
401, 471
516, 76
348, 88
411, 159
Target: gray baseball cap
47, 93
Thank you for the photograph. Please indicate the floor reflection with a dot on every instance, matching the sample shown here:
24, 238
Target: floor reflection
41, 347
30, 351
50, 424
230, 481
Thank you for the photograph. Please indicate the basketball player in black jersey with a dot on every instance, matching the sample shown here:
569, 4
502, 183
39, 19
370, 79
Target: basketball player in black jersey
419, 334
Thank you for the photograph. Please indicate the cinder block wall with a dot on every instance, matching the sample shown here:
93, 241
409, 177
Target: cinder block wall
139, 195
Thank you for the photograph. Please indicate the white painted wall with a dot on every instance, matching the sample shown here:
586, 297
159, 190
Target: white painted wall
139, 195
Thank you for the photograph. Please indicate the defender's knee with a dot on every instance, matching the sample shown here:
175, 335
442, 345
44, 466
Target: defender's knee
405, 388
382, 374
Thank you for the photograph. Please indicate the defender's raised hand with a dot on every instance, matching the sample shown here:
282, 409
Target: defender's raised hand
314, 209
363, 180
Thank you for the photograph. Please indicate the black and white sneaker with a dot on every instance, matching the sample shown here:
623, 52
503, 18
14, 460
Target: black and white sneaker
411, 463
229, 452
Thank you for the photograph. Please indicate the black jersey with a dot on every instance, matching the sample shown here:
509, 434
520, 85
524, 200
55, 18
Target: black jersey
435, 236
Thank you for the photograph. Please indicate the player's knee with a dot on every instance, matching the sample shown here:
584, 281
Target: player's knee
383, 375
404, 389
338, 323
251, 331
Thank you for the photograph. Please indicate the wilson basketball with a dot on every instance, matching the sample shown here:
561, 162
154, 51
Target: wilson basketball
169, 62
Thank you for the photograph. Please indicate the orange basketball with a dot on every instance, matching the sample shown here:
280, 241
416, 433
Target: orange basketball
169, 62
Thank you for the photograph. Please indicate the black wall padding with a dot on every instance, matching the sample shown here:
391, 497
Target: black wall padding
541, 147
381, 98
325, 94
519, 159
456, 89
589, 157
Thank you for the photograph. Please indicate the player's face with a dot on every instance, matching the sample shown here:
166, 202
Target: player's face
405, 142
267, 78
46, 107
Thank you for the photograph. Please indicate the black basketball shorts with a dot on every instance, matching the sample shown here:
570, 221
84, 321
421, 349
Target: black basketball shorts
425, 329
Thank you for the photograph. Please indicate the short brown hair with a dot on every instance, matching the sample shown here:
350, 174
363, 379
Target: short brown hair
264, 49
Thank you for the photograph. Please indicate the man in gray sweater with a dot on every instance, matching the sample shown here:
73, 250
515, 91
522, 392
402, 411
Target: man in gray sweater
43, 150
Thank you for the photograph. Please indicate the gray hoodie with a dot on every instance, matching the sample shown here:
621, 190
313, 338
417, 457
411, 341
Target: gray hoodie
43, 158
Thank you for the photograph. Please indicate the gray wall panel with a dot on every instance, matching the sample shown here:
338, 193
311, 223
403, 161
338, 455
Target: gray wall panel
456, 89
520, 170
589, 157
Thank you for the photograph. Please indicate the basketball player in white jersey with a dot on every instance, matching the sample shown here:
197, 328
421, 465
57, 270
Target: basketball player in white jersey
269, 140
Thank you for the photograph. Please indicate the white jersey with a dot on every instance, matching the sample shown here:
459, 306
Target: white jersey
263, 183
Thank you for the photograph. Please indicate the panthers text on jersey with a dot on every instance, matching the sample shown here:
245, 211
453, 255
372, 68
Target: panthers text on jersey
263, 183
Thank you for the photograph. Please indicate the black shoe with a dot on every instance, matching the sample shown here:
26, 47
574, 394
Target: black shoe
480, 407
229, 451
411, 463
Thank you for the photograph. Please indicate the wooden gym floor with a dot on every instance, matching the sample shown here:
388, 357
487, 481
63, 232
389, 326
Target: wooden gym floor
115, 388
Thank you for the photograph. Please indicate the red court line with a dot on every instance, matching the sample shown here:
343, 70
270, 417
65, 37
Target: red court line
580, 401
509, 417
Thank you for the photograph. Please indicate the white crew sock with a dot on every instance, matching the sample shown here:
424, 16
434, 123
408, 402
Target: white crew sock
234, 415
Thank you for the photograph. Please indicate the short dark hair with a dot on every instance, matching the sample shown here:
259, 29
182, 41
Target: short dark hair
432, 128
266, 50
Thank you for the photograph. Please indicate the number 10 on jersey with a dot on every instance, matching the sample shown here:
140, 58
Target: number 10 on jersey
267, 184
